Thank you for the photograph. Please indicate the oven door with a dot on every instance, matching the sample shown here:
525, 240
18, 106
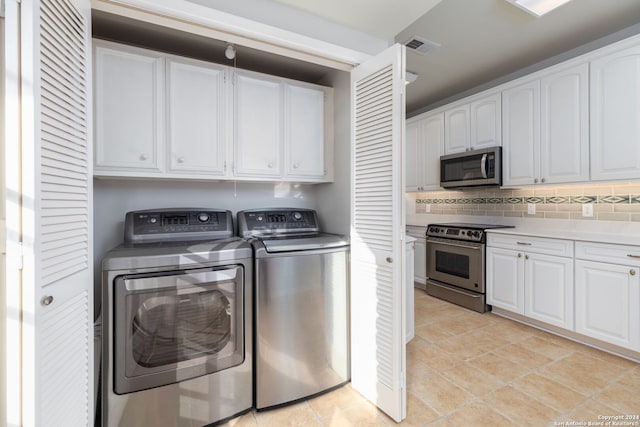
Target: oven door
172, 326
456, 263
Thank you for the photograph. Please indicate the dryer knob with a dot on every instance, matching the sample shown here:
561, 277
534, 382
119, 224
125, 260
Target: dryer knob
297, 216
203, 217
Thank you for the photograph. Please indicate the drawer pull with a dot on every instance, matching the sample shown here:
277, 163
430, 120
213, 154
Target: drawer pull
526, 257
633, 256
519, 255
524, 243
632, 272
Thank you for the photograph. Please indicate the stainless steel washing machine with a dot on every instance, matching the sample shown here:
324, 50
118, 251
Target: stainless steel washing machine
301, 300
177, 321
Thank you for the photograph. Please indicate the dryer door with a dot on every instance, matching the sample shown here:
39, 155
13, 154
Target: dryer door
173, 326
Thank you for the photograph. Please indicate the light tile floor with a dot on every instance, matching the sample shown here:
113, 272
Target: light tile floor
471, 369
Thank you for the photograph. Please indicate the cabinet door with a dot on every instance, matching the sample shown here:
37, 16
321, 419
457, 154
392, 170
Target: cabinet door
430, 150
258, 126
549, 289
457, 130
486, 122
615, 108
414, 137
128, 108
304, 132
521, 134
420, 260
564, 139
608, 303
505, 279
196, 117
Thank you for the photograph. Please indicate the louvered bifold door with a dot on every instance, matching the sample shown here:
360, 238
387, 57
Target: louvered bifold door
377, 231
57, 369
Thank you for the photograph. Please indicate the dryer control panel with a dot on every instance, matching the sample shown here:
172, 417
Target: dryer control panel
161, 225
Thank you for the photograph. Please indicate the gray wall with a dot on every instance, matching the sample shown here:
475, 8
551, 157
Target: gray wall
333, 200
114, 198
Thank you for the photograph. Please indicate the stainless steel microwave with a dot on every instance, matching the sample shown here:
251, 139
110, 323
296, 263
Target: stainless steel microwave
475, 168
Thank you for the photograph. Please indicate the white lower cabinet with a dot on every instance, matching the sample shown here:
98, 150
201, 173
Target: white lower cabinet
549, 289
538, 284
419, 253
608, 293
505, 279
595, 293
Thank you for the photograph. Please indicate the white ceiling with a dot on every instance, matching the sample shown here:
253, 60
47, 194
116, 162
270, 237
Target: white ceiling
482, 40
380, 18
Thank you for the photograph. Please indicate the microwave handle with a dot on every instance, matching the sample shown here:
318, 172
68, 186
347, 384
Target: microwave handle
483, 166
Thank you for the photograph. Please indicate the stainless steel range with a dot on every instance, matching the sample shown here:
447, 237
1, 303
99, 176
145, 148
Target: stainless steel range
456, 263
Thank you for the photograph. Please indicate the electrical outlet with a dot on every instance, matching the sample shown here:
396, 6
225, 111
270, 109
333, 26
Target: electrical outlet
427, 207
587, 210
531, 208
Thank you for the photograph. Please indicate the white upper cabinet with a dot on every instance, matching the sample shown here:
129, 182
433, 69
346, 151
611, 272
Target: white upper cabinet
521, 133
196, 103
129, 97
424, 139
308, 121
160, 115
413, 137
546, 128
564, 136
615, 109
258, 128
486, 121
457, 136
473, 125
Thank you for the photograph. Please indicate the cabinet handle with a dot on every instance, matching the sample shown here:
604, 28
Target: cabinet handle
526, 257
519, 255
524, 243
143, 156
633, 256
295, 166
180, 159
632, 272
47, 300
389, 259
270, 165
535, 181
542, 180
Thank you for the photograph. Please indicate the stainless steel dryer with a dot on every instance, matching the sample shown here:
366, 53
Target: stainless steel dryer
177, 321
301, 317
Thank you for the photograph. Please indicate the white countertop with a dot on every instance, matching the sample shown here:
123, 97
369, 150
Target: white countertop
581, 235
617, 232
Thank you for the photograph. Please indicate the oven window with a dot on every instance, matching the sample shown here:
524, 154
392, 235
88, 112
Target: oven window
172, 328
454, 264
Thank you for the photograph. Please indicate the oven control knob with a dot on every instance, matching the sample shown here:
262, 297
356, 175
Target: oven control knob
297, 216
203, 217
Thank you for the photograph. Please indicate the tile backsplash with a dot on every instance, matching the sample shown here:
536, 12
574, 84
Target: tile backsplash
610, 202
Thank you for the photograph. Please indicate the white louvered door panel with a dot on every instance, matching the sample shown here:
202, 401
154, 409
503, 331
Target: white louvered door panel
57, 371
378, 357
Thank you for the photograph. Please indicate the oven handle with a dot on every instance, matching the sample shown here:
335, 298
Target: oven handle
474, 247
453, 289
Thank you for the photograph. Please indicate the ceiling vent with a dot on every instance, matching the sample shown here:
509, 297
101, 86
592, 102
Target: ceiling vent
421, 45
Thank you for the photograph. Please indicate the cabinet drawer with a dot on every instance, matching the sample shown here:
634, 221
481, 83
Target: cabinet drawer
539, 245
610, 253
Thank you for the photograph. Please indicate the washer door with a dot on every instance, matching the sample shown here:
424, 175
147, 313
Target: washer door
173, 326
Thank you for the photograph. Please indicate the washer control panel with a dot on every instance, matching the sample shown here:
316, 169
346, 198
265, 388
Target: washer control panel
277, 221
177, 225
